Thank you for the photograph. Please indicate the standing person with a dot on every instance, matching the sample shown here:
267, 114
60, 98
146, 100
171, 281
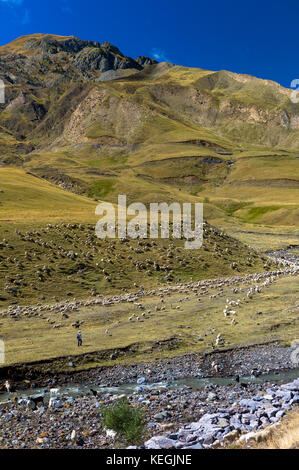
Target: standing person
7, 386
79, 338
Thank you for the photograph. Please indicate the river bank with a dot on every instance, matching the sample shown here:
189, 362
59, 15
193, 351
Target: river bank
240, 361
177, 415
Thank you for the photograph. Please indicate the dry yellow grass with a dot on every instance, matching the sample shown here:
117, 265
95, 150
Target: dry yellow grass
32, 339
286, 435
28, 198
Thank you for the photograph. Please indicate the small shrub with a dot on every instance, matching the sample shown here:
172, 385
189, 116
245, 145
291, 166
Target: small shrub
128, 422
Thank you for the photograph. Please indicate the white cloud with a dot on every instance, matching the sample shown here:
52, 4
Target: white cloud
159, 55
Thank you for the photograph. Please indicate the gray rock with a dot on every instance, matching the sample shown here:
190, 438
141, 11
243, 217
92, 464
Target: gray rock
295, 399
293, 386
274, 419
249, 404
194, 446
143, 61
264, 421
235, 422
141, 380
284, 394
258, 398
191, 438
246, 418
211, 396
271, 412
209, 439
254, 424
160, 442
223, 423
280, 414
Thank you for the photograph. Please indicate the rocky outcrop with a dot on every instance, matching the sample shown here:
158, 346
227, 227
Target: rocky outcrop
247, 415
97, 58
70, 56
143, 61
238, 108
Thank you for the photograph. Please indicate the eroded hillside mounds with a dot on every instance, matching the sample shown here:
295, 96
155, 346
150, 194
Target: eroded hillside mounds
61, 260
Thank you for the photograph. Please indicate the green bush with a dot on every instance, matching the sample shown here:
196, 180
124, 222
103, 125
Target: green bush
128, 422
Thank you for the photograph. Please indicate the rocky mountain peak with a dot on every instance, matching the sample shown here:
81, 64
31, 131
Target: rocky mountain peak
142, 60
51, 59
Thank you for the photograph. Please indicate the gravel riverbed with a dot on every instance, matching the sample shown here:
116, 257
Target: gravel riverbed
177, 417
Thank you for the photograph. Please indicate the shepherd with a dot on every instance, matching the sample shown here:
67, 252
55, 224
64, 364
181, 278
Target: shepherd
10, 388
79, 338
7, 386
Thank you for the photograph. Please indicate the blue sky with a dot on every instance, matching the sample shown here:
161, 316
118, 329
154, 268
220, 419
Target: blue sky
254, 37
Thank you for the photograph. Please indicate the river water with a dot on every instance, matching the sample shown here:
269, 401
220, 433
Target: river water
194, 383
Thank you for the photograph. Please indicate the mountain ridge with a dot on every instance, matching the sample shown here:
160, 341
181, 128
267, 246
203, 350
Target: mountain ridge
44, 50
82, 114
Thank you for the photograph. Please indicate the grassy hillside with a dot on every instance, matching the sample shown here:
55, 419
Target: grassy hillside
83, 123
66, 260
162, 133
187, 320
